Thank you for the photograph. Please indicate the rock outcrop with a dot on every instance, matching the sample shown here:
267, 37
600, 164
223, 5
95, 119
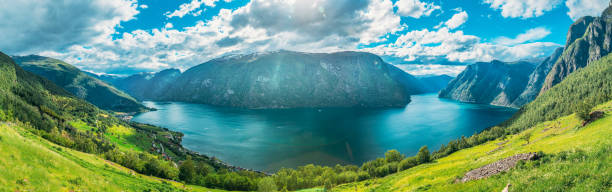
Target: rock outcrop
588, 39
497, 167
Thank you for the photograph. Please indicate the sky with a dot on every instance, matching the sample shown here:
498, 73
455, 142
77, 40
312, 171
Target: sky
420, 37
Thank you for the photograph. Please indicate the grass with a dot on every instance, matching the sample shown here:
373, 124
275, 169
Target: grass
82, 126
128, 138
589, 169
38, 165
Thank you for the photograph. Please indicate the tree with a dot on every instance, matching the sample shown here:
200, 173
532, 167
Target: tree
526, 137
407, 163
266, 185
583, 111
187, 170
393, 156
423, 155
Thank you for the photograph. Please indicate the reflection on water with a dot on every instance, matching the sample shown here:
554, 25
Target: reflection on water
273, 138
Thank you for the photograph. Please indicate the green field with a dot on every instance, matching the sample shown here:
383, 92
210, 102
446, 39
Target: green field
35, 164
576, 159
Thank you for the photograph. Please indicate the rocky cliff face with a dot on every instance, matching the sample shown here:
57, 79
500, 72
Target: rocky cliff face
588, 39
495, 82
147, 86
286, 79
536, 79
79, 83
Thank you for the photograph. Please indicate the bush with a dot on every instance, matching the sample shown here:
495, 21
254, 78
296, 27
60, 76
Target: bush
423, 155
393, 156
266, 185
187, 170
583, 111
407, 163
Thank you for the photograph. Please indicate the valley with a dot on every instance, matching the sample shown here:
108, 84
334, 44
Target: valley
306, 96
268, 139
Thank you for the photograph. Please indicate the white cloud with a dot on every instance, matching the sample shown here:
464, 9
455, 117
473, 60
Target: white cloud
143, 6
191, 7
426, 47
261, 25
168, 26
56, 25
523, 8
432, 69
529, 35
580, 8
415, 8
457, 20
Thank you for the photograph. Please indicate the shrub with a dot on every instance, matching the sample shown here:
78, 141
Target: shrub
393, 156
423, 155
187, 170
266, 185
407, 163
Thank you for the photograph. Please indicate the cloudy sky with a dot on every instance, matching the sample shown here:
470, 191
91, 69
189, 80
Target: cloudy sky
422, 37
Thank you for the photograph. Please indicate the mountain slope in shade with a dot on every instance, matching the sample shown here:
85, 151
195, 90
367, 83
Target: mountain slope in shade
588, 39
495, 83
536, 79
147, 86
286, 79
433, 84
79, 83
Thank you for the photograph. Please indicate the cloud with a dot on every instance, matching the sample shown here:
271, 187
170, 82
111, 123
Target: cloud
143, 6
457, 20
190, 8
259, 26
580, 8
431, 47
432, 69
530, 35
415, 8
523, 8
56, 25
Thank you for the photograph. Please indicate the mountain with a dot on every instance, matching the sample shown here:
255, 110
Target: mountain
536, 80
42, 122
495, 83
286, 79
433, 84
79, 83
588, 39
147, 86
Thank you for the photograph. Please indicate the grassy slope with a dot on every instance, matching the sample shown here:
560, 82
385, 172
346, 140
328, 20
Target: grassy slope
38, 165
551, 137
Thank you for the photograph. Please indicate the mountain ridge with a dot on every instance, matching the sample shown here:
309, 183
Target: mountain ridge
79, 83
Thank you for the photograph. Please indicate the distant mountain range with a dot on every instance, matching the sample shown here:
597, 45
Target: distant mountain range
144, 86
512, 85
79, 83
284, 79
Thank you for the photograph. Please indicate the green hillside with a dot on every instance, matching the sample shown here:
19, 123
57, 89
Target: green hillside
79, 83
551, 124
569, 149
36, 164
37, 108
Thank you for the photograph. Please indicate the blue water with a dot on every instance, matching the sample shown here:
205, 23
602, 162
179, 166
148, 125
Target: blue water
270, 139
